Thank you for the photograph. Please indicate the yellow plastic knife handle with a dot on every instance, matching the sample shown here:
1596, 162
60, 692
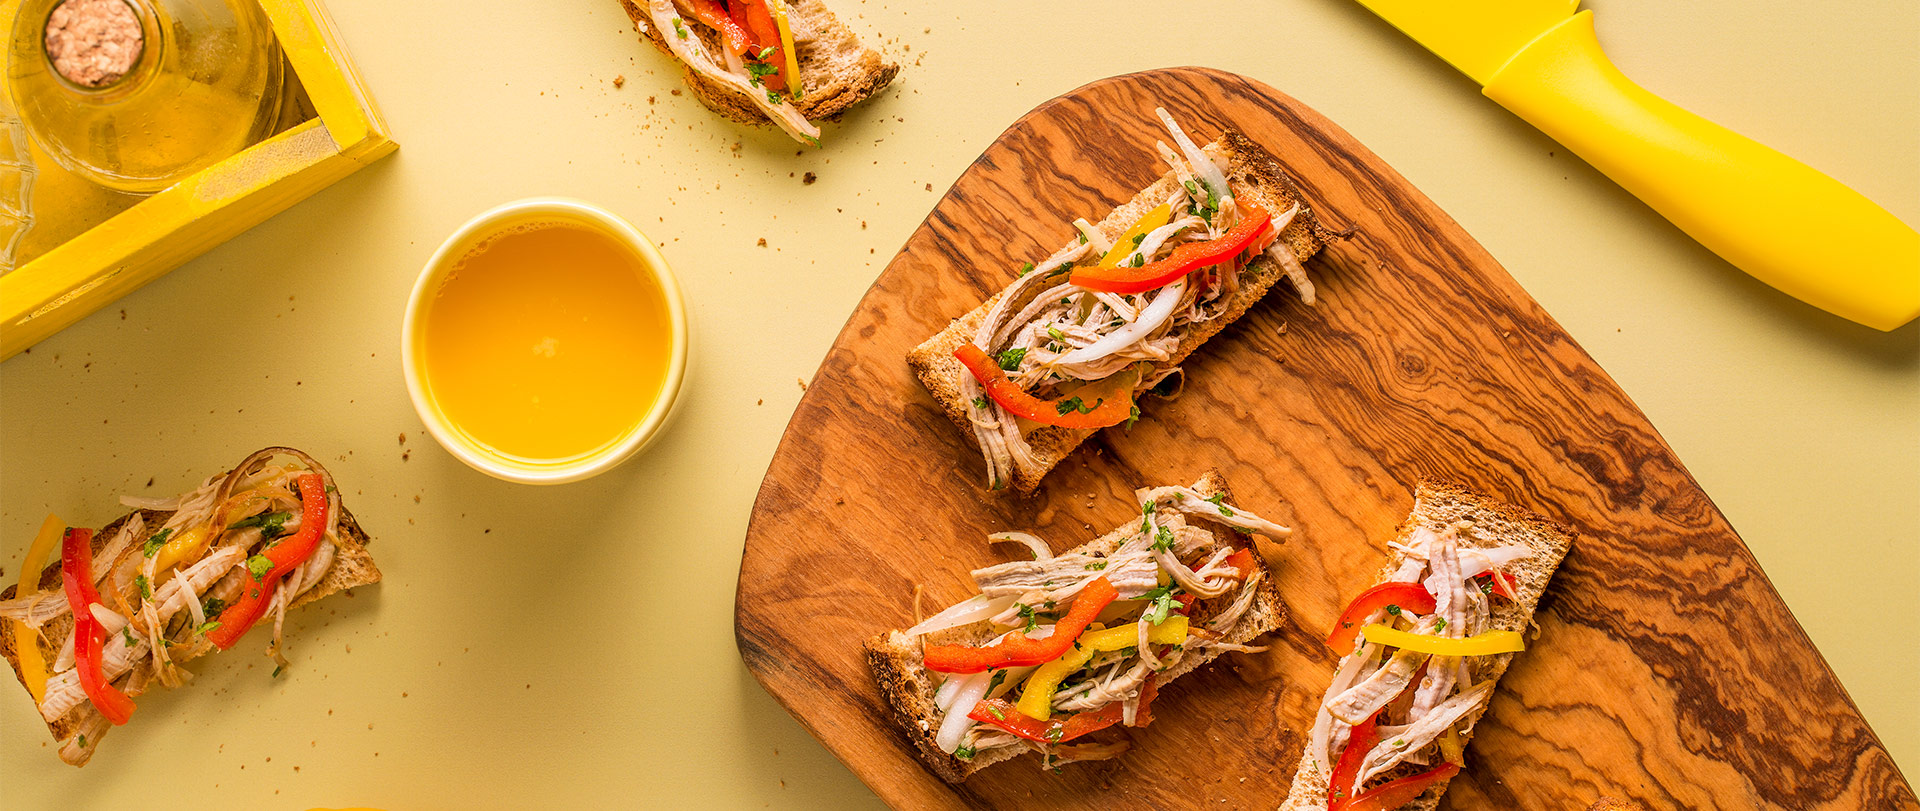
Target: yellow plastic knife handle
1788, 225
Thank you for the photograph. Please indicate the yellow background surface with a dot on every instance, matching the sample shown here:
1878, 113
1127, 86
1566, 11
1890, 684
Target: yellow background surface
573, 646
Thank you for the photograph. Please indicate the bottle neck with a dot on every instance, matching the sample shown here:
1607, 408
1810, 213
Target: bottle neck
100, 46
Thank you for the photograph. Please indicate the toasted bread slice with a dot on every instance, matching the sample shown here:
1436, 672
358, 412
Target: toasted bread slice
352, 567
908, 686
1439, 502
1254, 175
837, 71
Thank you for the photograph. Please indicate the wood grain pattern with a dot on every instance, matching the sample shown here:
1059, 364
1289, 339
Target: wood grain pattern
1667, 670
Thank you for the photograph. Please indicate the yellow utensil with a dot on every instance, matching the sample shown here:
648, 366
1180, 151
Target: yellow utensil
1784, 222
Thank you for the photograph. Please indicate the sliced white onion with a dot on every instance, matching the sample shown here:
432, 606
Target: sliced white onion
1040, 549
1154, 239
110, 620
1476, 562
1093, 236
1151, 318
1203, 166
943, 696
185, 584
65, 660
953, 727
968, 611
150, 503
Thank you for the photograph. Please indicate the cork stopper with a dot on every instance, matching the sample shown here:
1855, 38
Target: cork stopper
93, 43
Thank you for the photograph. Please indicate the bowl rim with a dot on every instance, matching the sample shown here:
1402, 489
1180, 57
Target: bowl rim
427, 285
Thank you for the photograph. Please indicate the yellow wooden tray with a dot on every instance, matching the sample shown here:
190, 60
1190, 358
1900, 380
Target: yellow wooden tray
136, 246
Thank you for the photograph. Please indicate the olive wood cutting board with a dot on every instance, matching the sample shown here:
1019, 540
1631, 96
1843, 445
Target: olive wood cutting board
1666, 670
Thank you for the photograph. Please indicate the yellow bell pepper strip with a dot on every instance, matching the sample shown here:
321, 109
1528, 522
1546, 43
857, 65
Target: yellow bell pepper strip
282, 557
1019, 650
1485, 644
787, 50
76, 576
33, 666
1112, 398
1036, 698
1128, 241
1184, 259
1396, 793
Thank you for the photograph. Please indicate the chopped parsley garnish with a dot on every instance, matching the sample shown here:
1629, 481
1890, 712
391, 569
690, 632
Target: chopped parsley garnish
127, 631
980, 403
1137, 238
1215, 500
1139, 260
1055, 333
270, 524
158, 540
1163, 603
83, 741
1072, 404
205, 627
276, 671
1026, 613
213, 606
1010, 359
997, 713
1441, 624
1133, 415
146, 593
1083, 238
1096, 565
1054, 733
1393, 610
759, 70
998, 676
259, 565
1146, 516
1163, 540
1026, 268
679, 29
765, 52
965, 752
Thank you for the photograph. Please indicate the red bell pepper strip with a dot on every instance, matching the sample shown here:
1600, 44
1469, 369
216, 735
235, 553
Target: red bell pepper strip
1186, 602
76, 576
1062, 727
1503, 584
1112, 405
757, 17
711, 14
1018, 650
1359, 742
1394, 794
285, 555
1409, 596
1184, 259
1241, 559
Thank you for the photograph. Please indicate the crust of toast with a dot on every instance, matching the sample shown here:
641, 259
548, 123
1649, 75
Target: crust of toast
908, 686
1254, 175
352, 566
837, 71
1438, 502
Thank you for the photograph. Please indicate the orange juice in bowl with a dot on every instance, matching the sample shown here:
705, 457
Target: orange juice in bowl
545, 342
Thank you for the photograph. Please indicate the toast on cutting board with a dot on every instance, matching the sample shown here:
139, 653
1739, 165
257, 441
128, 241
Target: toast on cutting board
913, 691
1023, 455
1521, 550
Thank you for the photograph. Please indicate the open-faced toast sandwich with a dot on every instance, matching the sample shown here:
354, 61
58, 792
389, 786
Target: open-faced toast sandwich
1066, 348
1053, 650
122, 608
1423, 650
787, 61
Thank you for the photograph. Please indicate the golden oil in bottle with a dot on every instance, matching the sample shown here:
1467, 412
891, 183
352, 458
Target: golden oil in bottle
137, 94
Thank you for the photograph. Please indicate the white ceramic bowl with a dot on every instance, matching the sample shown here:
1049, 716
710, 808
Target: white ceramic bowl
485, 460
